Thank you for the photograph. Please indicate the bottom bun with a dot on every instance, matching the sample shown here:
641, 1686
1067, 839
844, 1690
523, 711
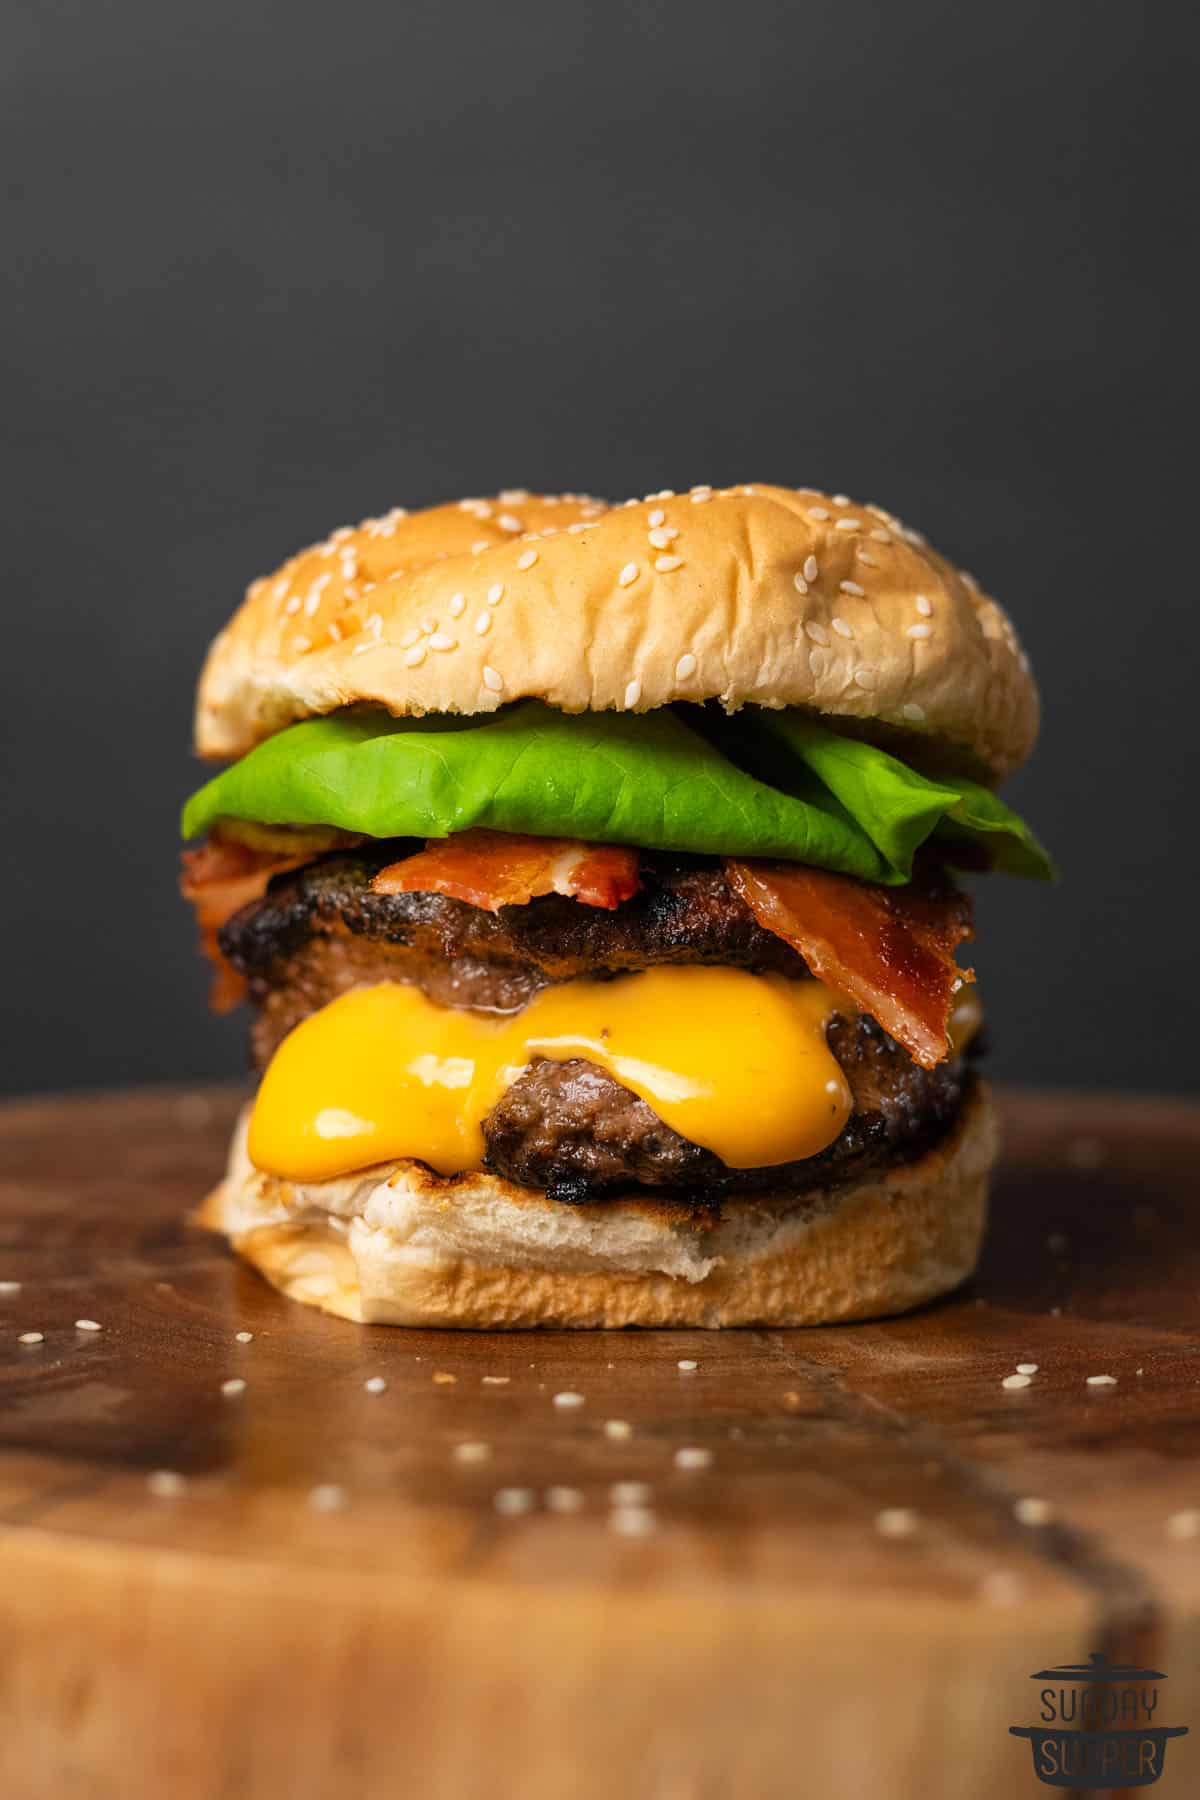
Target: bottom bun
399, 1245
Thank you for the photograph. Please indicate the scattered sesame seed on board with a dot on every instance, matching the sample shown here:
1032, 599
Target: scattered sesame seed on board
327, 1497
693, 1456
1027, 1368
1102, 1381
632, 1521
496, 1380
896, 1522
687, 1364
32, 1337
564, 1499
88, 1325
233, 1387
1031, 1511
567, 1399
443, 1379
244, 1337
165, 1484
509, 1502
630, 1493
619, 1429
375, 1384
9, 1287
472, 1453
1181, 1526
1013, 1382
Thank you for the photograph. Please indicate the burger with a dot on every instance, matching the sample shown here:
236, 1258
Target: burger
592, 872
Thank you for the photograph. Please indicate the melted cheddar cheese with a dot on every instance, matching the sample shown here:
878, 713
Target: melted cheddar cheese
736, 1062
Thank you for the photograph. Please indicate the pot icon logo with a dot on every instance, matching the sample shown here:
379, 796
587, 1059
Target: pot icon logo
1099, 1726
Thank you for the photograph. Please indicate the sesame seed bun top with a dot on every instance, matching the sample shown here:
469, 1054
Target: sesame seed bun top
775, 596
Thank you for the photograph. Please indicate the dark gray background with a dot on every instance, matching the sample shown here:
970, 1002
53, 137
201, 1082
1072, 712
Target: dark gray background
272, 267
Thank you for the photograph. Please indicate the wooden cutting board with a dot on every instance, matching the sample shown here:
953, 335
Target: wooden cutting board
334, 1603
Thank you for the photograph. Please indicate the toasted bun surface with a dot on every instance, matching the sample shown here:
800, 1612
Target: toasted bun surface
776, 596
400, 1246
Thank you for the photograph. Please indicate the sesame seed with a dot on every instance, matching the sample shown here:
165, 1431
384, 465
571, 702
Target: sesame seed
818, 512
663, 535
374, 625
1183, 1525
699, 495
511, 1501
483, 624
410, 637
576, 528
865, 678
10, 1287
687, 1364
662, 494
87, 1325
851, 587
618, 1428
491, 679
32, 1337
1033, 1512
799, 583
630, 1493
692, 1456
923, 604
667, 564
841, 627
912, 711
496, 1380
480, 545
234, 1386
632, 1521
495, 594
816, 631
685, 667
165, 1484
841, 499
415, 657
327, 1497
628, 575
507, 522
896, 1522
564, 1499
881, 536
512, 496
869, 560
811, 568
633, 694
568, 1399
848, 525
1013, 1382
919, 631
472, 1453
1027, 1368
1102, 1381
439, 641
456, 605
527, 559
443, 1379
293, 605
375, 1384
657, 516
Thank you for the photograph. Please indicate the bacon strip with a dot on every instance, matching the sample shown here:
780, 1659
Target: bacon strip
219, 879
491, 869
890, 949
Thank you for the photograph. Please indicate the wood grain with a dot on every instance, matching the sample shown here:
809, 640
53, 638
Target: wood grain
763, 1639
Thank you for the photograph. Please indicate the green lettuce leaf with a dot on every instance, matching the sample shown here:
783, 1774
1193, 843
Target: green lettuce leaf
678, 779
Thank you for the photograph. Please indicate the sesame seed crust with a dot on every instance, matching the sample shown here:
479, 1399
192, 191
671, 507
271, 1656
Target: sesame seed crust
659, 599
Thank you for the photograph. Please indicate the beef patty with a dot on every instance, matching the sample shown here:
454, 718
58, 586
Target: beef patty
568, 1127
